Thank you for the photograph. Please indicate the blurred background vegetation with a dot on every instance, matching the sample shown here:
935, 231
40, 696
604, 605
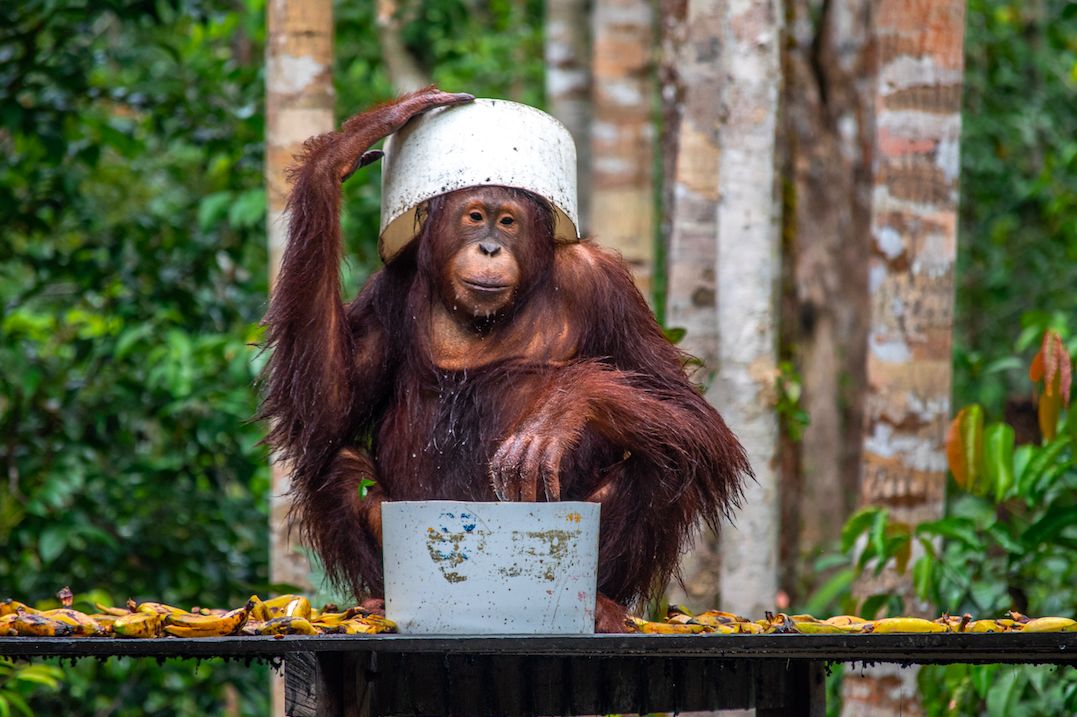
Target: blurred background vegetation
133, 276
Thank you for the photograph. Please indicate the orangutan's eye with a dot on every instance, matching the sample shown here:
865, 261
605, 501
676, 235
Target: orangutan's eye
507, 221
475, 217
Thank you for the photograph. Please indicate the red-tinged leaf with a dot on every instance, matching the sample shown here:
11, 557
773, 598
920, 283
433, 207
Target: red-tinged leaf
1035, 369
1052, 343
964, 447
1050, 407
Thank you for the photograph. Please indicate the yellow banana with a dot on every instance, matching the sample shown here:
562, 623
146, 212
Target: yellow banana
1050, 624
109, 610
288, 625
715, 616
7, 625
139, 624
28, 624
675, 609
282, 606
845, 620
159, 608
10, 607
80, 623
357, 627
890, 625
807, 627
985, 626
206, 625
665, 628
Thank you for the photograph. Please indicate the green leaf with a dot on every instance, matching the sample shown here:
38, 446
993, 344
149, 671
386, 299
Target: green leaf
248, 209
212, 209
873, 604
52, 542
835, 586
1042, 459
1054, 521
856, 524
998, 459
923, 570
1004, 692
5, 710
878, 536
675, 334
19, 704
959, 529
964, 448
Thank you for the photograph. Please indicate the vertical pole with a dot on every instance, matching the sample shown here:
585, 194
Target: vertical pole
622, 135
299, 104
920, 51
748, 271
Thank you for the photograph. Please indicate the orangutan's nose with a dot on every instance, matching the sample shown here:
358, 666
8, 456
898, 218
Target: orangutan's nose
489, 248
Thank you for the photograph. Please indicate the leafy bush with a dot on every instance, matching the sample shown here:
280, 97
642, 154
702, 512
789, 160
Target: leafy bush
1008, 541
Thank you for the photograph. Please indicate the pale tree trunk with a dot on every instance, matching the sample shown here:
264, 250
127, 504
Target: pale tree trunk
691, 76
405, 74
748, 271
299, 104
622, 136
568, 86
828, 128
919, 48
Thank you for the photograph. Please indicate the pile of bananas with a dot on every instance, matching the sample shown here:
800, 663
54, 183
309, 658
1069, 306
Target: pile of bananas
282, 615
680, 621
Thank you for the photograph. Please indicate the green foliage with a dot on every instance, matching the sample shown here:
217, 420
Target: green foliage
18, 681
131, 280
1008, 541
1018, 224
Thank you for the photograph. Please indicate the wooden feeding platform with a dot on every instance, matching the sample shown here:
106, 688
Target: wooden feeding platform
361, 676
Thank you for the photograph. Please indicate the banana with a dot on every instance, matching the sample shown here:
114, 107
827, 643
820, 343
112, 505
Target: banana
715, 616
159, 608
206, 625
108, 610
890, 625
675, 609
332, 619
81, 623
28, 624
1050, 624
288, 625
845, 620
985, 626
7, 625
807, 627
357, 627
139, 624
748, 628
10, 607
665, 628
282, 606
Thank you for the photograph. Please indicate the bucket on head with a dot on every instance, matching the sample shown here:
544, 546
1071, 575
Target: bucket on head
461, 567
481, 143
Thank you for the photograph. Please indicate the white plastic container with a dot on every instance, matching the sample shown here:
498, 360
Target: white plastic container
482, 143
454, 567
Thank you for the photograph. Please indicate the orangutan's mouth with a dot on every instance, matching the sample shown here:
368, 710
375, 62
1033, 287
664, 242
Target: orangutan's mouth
484, 285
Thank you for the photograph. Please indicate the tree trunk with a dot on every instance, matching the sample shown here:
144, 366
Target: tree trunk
299, 104
691, 98
919, 46
828, 106
748, 270
405, 75
568, 86
622, 198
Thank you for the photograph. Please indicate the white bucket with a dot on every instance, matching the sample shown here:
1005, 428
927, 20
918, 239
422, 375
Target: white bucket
482, 143
455, 567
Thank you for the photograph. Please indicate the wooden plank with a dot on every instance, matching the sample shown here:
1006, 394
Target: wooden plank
313, 685
1013, 648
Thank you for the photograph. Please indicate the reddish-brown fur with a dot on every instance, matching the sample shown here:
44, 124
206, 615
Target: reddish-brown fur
573, 392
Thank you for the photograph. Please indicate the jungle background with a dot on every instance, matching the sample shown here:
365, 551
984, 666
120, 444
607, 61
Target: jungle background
134, 272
